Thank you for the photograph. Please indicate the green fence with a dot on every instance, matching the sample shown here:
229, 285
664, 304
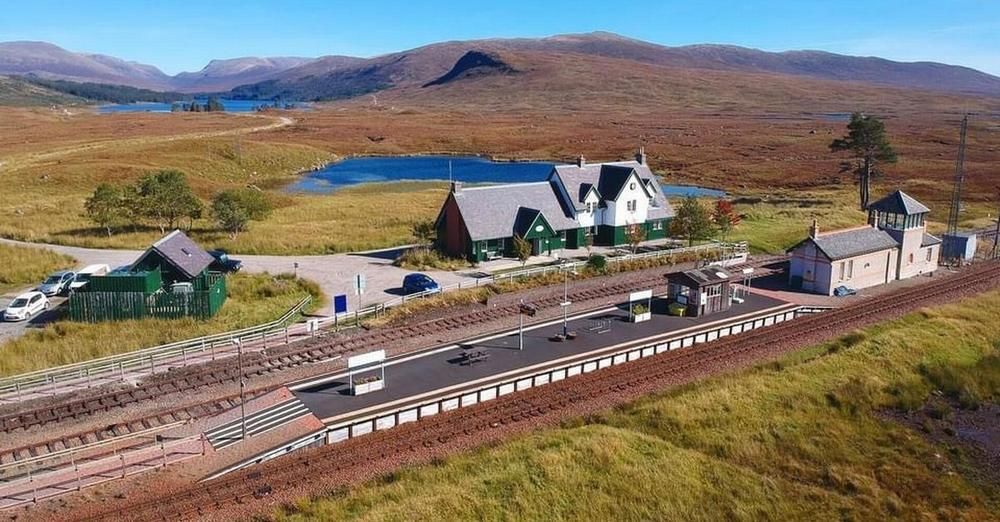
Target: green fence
204, 302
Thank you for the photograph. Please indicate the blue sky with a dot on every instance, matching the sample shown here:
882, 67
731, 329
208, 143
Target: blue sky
176, 35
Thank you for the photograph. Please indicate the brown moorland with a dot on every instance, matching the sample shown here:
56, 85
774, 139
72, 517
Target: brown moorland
762, 135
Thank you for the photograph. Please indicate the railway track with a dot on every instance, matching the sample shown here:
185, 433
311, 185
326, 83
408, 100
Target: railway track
345, 462
307, 352
120, 430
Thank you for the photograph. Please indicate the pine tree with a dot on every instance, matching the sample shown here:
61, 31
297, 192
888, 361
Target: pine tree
867, 140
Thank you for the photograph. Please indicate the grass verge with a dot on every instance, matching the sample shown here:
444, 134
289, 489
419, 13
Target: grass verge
798, 438
22, 266
253, 299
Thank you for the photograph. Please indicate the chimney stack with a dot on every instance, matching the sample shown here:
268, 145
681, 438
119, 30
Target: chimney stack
814, 231
641, 155
581, 161
456, 187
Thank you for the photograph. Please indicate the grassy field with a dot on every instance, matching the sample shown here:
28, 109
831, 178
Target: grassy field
21, 266
253, 299
802, 438
50, 160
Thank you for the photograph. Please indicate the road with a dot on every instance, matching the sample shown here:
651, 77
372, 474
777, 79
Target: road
334, 272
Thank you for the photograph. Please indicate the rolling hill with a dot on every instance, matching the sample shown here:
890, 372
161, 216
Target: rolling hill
16, 92
423, 65
45, 60
49, 61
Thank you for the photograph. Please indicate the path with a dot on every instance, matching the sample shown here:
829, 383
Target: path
21, 161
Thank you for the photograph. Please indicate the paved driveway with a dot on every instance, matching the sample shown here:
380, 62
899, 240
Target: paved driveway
335, 273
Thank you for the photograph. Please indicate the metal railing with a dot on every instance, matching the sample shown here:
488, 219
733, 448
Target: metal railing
729, 252
148, 359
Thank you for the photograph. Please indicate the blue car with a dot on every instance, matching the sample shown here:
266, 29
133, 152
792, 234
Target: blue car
844, 291
417, 283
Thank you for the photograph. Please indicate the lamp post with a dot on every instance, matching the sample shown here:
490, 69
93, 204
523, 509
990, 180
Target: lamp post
243, 408
565, 304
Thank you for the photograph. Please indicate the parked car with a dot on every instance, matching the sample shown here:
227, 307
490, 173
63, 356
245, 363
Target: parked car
223, 263
181, 287
416, 283
844, 291
26, 306
57, 283
84, 275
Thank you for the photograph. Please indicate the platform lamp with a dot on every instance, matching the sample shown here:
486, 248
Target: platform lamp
243, 384
565, 304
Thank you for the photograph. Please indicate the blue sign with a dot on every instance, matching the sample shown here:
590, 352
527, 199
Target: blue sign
339, 303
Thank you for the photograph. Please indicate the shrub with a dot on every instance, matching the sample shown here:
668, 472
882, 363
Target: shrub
597, 264
423, 258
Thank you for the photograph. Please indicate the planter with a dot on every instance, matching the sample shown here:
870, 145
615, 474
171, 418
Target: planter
638, 318
368, 387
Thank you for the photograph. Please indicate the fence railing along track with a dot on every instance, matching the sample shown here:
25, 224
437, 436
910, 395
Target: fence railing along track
151, 359
160, 358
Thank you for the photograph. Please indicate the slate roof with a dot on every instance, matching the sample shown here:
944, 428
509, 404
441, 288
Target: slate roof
899, 202
181, 252
929, 240
609, 179
491, 212
853, 242
700, 276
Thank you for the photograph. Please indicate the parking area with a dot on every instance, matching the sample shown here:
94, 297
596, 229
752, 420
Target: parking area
10, 330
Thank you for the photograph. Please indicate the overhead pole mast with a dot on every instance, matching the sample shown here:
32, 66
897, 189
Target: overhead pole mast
951, 237
996, 231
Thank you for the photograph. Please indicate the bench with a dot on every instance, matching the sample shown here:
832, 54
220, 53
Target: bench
470, 358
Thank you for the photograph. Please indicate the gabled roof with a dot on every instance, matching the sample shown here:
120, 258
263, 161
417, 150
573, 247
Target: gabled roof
492, 211
181, 252
700, 276
899, 202
609, 178
614, 178
525, 219
851, 243
586, 189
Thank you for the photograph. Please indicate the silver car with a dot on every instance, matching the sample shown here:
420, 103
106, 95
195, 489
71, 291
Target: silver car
57, 283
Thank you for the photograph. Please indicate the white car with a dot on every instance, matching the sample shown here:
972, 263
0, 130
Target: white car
26, 306
84, 275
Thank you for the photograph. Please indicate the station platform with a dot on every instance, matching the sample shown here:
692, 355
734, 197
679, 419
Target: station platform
413, 376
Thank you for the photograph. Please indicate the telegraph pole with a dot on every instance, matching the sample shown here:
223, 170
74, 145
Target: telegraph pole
243, 385
996, 231
951, 253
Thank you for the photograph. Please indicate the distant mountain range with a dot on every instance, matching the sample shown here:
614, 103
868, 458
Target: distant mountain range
436, 65
49, 61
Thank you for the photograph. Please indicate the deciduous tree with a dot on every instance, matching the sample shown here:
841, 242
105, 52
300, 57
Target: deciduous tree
724, 217
234, 209
635, 234
691, 222
522, 249
165, 197
867, 141
106, 207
